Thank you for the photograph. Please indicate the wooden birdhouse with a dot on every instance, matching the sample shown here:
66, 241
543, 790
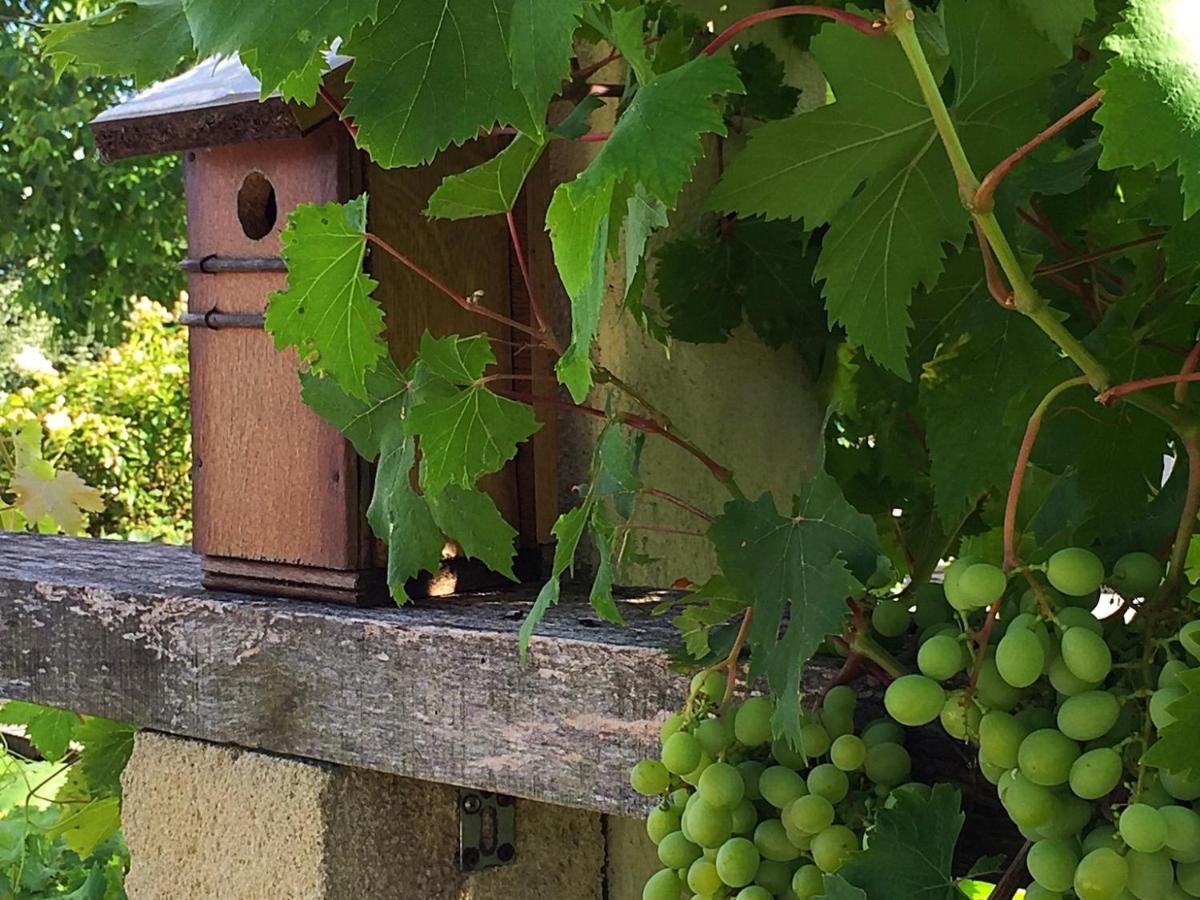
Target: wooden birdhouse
279, 496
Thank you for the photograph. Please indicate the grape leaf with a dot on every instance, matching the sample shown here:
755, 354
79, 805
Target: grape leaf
1175, 749
752, 268
400, 517
489, 188
768, 95
87, 826
282, 45
48, 729
870, 164
107, 746
1060, 21
644, 216
467, 433
363, 422
704, 608
568, 531
146, 39
1150, 115
625, 29
578, 223
327, 305
473, 521
61, 497
803, 566
653, 146
974, 418
838, 888
911, 849
428, 74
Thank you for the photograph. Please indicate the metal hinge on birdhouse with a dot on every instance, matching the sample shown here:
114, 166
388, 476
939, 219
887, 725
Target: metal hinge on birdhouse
487, 830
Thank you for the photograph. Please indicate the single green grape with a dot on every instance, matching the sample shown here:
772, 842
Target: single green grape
1095, 773
811, 814
751, 771
941, 657
1150, 874
882, 731
663, 885
752, 724
1103, 835
1183, 833
884, 574
1045, 757
737, 862
661, 821
1143, 828
1079, 618
744, 817
1161, 702
1136, 574
1101, 875
1188, 876
992, 690
754, 892
1088, 715
681, 753
960, 717
1052, 864
785, 755
671, 725
693, 777
773, 876
1020, 657
890, 618
839, 699
814, 740
721, 785
1180, 785
828, 781
1036, 717
702, 877
914, 700
1063, 681
780, 785
952, 579
1000, 736
887, 764
676, 852
848, 753
1028, 804
1068, 818
807, 882
650, 777
832, 846
837, 722
706, 825
1036, 892
714, 735
1086, 654
1075, 571
770, 837
1168, 675
981, 585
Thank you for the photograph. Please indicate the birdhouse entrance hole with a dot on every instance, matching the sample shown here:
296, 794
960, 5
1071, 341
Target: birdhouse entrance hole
256, 206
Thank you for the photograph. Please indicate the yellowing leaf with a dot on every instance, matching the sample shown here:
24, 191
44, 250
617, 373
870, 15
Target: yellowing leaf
63, 497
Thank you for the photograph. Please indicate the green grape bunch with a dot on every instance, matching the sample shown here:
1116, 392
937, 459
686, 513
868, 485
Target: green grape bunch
1071, 715
742, 814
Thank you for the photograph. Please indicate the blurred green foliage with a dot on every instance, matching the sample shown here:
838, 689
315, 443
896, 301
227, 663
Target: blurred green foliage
120, 422
78, 237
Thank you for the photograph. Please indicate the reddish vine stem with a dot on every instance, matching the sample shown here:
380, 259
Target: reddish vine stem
1188, 367
1042, 223
523, 265
1187, 518
986, 192
662, 529
982, 636
678, 501
458, 298
1018, 476
337, 106
1118, 391
1073, 286
1098, 254
872, 27
996, 286
1014, 877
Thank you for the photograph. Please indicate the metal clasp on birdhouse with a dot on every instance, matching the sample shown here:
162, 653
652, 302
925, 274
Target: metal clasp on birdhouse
487, 830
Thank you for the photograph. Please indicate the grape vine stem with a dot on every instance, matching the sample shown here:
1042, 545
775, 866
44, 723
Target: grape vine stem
1011, 560
730, 665
871, 27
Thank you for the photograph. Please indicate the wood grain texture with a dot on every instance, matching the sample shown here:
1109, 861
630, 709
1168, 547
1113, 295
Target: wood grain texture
432, 691
271, 480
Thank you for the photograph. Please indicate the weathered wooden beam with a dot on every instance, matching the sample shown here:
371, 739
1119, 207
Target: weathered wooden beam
434, 690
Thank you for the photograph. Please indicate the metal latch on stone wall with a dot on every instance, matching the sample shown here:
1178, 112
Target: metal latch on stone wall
487, 830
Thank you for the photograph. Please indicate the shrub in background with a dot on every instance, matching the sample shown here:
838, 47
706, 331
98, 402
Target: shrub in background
120, 422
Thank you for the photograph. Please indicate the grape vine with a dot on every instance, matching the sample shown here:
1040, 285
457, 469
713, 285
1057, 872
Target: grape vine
981, 239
